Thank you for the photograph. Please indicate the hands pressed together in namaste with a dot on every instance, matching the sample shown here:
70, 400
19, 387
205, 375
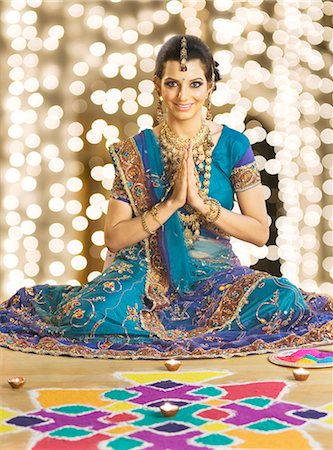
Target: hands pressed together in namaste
185, 188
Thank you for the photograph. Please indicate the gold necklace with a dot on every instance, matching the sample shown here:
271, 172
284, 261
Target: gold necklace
172, 148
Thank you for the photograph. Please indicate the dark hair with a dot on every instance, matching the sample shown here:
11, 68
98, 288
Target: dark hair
196, 49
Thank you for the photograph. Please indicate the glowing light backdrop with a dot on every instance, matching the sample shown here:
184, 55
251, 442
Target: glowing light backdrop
77, 74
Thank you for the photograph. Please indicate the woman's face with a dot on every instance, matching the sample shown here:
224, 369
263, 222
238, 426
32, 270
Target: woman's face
184, 93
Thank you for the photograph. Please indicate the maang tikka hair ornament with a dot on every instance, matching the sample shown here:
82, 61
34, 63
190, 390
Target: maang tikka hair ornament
183, 54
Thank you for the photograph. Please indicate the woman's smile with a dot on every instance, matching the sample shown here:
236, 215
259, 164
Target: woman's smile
183, 106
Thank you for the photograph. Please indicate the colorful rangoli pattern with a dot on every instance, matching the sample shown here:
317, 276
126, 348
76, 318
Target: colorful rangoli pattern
305, 357
235, 415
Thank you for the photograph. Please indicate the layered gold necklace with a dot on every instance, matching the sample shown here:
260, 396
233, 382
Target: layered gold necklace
172, 148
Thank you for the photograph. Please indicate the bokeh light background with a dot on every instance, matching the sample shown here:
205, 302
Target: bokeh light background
76, 76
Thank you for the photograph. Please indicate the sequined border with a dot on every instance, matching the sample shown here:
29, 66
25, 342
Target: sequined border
245, 177
51, 346
127, 159
234, 299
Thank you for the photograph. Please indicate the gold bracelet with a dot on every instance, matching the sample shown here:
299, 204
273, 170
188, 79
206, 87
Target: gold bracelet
214, 210
154, 213
144, 223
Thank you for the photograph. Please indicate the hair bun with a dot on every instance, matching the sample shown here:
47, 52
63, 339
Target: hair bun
216, 71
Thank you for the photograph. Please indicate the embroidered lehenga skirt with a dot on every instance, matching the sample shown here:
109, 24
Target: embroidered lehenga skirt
161, 298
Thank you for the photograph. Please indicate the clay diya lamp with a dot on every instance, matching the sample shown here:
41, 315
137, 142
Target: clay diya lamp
301, 374
16, 382
168, 409
172, 365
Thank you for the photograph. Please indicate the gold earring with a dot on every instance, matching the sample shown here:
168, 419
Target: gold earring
159, 110
209, 114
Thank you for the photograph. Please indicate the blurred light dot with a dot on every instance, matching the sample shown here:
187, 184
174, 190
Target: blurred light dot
97, 48
93, 212
328, 238
57, 190
98, 97
73, 207
56, 165
13, 218
17, 159
146, 99
31, 60
76, 10
30, 243
145, 121
97, 173
93, 275
97, 238
145, 50
328, 187
56, 204
161, 17
10, 202
19, 44
12, 175
128, 72
28, 227
51, 43
80, 223
74, 247
34, 211
75, 144
32, 140
57, 268
10, 261
77, 87
261, 104
51, 82
75, 129
56, 245
35, 100
174, 7
328, 263
130, 107
56, 230
35, 44
28, 184
113, 95
81, 68
79, 262
130, 36
327, 136
94, 136
97, 199
74, 184
95, 21
147, 65
33, 158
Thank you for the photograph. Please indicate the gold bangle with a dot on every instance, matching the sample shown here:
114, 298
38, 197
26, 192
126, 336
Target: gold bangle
154, 213
214, 210
145, 225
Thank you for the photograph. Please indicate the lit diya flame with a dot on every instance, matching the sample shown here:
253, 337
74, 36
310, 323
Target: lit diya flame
168, 409
16, 382
172, 364
301, 374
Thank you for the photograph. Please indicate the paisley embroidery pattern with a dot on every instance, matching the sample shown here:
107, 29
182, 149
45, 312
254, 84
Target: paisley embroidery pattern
245, 177
133, 177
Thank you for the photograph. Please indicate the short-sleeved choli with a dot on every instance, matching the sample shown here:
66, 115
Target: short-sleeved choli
245, 173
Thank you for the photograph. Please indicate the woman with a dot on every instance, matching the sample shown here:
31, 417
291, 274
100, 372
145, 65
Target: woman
175, 287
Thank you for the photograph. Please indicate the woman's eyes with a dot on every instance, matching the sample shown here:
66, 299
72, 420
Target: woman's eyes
174, 83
